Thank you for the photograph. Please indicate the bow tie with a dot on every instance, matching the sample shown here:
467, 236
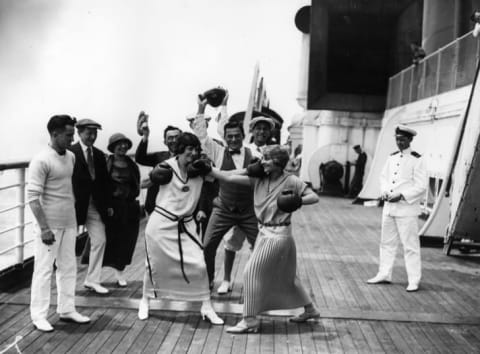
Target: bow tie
233, 152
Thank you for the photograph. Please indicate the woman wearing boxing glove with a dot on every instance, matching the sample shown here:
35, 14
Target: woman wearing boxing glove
176, 266
270, 281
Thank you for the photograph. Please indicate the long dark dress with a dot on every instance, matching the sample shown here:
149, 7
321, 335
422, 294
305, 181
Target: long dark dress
122, 228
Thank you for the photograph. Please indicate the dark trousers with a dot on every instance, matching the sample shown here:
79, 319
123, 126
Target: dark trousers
220, 222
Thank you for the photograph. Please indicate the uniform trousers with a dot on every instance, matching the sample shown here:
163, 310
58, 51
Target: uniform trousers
405, 229
62, 253
220, 222
96, 232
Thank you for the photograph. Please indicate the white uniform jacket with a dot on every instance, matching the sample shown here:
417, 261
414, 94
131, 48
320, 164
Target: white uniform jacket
405, 173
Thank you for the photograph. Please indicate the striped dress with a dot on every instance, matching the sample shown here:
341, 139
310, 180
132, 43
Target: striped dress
270, 277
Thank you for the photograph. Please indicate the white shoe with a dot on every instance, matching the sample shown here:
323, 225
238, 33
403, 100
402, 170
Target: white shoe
211, 316
379, 279
224, 287
96, 287
412, 287
121, 282
74, 316
143, 309
43, 325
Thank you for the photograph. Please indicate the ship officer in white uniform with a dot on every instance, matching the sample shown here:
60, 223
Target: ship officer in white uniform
403, 184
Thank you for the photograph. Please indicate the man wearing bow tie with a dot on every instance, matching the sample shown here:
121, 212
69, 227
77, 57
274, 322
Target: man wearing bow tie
234, 204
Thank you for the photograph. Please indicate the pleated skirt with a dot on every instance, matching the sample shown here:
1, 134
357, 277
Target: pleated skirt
270, 277
164, 262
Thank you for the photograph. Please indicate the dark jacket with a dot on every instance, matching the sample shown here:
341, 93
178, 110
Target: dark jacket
84, 187
150, 159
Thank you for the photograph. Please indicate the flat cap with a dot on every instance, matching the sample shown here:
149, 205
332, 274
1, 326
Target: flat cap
88, 123
256, 120
405, 131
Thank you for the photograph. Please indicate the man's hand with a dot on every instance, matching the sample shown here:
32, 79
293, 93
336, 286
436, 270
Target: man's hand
142, 125
110, 211
396, 197
48, 237
202, 104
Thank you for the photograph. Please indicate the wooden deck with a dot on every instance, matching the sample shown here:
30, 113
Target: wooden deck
337, 247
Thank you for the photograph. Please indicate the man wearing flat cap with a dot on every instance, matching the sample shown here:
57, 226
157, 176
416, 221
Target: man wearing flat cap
261, 128
90, 187
403, 184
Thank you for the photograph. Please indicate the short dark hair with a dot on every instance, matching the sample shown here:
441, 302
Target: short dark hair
59, 122
184, 140
168, 128
232, 125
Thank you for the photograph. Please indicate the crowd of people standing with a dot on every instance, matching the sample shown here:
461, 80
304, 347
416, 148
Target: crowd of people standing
200, 191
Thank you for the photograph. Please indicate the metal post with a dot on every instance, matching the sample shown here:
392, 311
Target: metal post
21, 217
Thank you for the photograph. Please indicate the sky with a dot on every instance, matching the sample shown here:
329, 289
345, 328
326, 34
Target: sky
109, 59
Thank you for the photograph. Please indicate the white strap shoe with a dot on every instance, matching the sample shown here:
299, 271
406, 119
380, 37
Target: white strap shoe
224, 287
211, 316
43, 325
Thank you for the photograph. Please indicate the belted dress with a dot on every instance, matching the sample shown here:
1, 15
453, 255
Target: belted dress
175, 258
270, 280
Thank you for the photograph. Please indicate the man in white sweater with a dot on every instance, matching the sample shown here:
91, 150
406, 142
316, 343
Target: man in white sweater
50, 197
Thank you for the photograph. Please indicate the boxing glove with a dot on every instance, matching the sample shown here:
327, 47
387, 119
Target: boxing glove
256, 170
161, 174
289, 201
199, 167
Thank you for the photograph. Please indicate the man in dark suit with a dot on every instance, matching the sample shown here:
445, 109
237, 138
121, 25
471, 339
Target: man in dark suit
142, 157
90, 187
357, 181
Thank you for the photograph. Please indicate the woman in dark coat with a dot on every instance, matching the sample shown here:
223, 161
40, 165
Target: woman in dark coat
122, 227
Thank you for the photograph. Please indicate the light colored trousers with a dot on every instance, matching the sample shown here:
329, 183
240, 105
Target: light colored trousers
96, 232
62, 252
405, 229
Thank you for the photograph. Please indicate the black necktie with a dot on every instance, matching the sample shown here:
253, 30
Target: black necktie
91, 167
234, 152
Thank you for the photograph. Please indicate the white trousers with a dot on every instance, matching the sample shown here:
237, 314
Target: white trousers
62, 252
96, 232
405, 229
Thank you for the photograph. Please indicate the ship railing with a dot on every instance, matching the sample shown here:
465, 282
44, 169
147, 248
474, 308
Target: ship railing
15, 218
450, 67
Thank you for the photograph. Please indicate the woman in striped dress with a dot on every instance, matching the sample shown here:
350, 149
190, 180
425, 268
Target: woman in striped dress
270, 281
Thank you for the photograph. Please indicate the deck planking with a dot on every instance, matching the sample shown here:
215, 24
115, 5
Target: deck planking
337, 250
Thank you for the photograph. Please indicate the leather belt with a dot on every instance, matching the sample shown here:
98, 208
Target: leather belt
271, 224
181, 228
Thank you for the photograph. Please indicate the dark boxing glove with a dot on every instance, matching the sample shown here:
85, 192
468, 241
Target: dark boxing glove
289, 201
256, 170
161, 174
199, 167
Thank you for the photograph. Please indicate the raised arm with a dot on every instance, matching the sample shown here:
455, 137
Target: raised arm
141, 155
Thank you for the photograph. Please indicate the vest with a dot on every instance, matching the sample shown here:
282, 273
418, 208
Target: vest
232, 196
